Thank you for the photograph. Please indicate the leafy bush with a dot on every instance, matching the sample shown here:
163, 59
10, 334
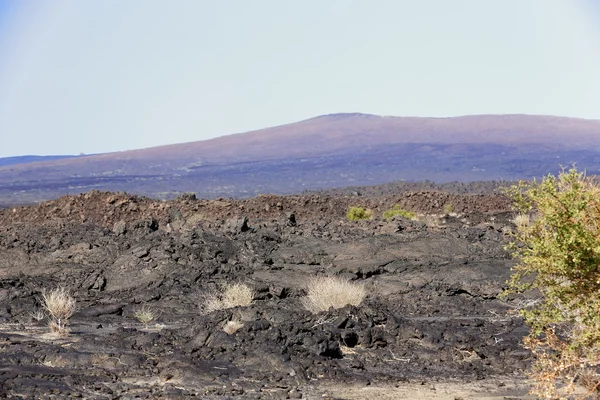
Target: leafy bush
558, 253
326, 292
397, 210
358, 213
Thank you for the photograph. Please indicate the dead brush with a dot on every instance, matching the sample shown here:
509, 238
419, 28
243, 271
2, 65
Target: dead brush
590, 380
232, 327
60, 305
37, 314
325, 292
145, 314
557, 369
232, 295
522, 221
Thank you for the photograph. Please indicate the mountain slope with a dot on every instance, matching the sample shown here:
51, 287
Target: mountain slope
5, 161
326, 151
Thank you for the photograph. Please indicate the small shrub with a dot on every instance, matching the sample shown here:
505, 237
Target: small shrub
60, 305
145, 314
232, 327
326, 292
558, 254
397, 210
358, 213
432, 221
37, 314
522, 221
237, 294
448, 209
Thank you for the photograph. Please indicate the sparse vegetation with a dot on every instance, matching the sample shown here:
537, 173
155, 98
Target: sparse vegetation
37, 314
177, 263
398, 211
234, 295
448, 208
325, 292
60, 305
145, 314
432, 221
558, 256
358, 213
522, 221
232, 327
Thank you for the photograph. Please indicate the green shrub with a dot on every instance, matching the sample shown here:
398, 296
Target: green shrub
558, 253
397, 210
358, 213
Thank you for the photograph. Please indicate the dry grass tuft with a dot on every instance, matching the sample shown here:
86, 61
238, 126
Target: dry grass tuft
232, 327
55, 327
522, 221
431, 220
326, 292
234, 295
60, 305
145, 314
347, 350
37, 314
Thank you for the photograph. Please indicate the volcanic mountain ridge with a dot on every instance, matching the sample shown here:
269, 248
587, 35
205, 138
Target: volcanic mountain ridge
329, 151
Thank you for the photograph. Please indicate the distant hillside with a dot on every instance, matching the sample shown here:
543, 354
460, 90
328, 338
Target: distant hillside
334, 150
5, 161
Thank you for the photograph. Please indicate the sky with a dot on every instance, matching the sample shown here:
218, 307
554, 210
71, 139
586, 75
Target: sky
112, 75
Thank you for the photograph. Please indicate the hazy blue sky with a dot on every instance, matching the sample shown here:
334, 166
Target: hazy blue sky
97, 76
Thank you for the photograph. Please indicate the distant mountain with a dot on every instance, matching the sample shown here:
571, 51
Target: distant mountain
333, 150
5, 161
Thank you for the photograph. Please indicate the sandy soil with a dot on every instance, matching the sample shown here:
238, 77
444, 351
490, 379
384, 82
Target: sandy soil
489, 390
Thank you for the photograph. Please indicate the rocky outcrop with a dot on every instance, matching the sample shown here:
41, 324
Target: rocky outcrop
432, 310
